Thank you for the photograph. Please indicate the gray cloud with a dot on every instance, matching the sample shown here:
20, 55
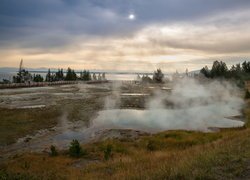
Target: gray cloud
101, 17
57, 26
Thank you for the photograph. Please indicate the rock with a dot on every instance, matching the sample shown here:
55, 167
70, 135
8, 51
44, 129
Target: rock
27, 139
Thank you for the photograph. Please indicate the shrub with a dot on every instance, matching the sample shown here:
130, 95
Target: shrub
158, 76
75, 149
108, 152
151, 146
247, 94
4, 175
26, 165
53, 151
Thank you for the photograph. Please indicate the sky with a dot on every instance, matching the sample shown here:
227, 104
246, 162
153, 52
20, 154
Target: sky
125, 35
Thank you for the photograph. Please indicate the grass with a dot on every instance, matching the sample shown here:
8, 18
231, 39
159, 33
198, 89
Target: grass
83, 109
223, 155
16, 123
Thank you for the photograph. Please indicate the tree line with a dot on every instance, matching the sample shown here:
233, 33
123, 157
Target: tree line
239, 72
70, 75
158, 77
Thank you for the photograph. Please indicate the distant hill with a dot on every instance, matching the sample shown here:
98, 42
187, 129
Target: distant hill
39, 70
43, 70
12, 69
195, 72
7, 69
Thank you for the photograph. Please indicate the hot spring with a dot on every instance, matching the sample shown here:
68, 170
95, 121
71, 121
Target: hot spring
162, 119
190, 105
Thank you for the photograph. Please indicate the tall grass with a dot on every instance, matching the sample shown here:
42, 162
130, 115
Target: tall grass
209, 156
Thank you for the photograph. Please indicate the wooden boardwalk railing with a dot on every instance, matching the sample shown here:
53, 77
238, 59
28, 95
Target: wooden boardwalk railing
35, 84
42, 84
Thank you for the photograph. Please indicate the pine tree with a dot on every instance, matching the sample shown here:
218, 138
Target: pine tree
158, 76
205, 71
70, 75
48, 76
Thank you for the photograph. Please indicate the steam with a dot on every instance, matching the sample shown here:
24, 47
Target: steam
191, 105
114, 99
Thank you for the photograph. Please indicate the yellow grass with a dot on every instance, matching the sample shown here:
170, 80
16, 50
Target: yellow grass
225, 155
16, 123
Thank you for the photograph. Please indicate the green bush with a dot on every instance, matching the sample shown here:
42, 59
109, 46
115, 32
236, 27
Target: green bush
151, 146
75, 149
247, 94
15, 176
26, 165
108, 152
53, 151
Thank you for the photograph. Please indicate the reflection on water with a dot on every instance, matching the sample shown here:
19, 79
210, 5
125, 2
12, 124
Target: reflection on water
134, 94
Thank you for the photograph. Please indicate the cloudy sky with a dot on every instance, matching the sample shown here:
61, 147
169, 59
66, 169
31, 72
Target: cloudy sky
136, 35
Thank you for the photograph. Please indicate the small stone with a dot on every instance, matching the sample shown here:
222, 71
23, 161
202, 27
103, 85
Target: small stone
27, 139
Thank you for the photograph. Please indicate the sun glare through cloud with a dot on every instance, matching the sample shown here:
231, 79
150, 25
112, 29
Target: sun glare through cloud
131, 17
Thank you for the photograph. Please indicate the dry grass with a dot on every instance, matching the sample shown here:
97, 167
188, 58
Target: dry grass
223, 155
83, 109
16, 123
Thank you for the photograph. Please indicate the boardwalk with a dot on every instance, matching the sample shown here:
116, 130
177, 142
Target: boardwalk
35, 84
42, 84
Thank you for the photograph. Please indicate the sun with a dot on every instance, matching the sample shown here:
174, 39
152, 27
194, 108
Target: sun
131, 17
